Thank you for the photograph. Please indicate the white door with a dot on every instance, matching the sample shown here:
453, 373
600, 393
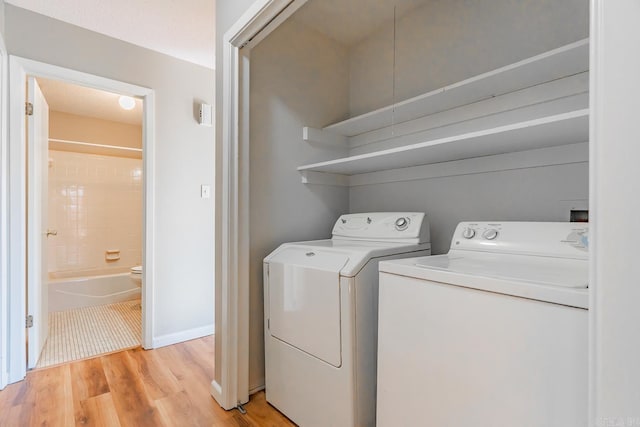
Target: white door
37, 232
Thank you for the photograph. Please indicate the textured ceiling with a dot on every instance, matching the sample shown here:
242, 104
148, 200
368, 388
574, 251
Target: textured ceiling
184, 29
349, 22
84, 101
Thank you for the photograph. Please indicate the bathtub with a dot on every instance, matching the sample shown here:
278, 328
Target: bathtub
69, 293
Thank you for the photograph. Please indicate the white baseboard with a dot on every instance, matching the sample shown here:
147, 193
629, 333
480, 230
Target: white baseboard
4, 379
176, 337
216, 392
255, 389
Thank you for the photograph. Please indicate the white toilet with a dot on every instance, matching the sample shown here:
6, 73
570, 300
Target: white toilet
136, 275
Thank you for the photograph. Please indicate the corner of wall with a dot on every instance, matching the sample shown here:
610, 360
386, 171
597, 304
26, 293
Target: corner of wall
253, 388
2, 19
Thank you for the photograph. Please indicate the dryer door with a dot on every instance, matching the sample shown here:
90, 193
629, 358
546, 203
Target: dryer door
304, 301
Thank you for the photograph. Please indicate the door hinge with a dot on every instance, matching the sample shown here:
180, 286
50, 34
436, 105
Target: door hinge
29, 322
28, 109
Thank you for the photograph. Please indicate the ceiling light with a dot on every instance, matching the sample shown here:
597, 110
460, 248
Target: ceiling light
127, 102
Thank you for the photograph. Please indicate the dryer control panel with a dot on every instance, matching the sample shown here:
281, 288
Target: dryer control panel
397, 227
558, 239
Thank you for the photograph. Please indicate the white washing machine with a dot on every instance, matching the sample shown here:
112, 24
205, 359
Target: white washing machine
494, 333
321, 305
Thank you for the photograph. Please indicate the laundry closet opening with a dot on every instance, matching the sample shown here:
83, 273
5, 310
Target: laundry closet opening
85, 221
464, 111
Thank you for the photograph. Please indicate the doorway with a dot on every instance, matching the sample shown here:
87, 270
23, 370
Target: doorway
22, 229
84, 207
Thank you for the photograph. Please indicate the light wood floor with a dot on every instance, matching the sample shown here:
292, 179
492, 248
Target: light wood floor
164, 387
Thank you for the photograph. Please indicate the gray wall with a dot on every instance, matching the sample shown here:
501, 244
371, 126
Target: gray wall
2, 18
445, 41
535, 194
184, 153
298, 78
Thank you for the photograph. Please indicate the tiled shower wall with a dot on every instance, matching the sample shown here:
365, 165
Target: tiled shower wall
95, 204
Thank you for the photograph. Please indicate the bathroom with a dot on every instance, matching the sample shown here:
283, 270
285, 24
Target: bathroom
94, 214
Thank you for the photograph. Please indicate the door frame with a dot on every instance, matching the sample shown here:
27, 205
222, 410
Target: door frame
230, 386
614, 372
15, 305
4, 241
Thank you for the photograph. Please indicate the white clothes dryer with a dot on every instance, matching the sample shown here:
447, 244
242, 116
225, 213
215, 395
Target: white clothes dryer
321, 305
493, 333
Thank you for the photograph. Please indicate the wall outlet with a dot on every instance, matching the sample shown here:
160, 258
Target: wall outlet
566, 207
579, 215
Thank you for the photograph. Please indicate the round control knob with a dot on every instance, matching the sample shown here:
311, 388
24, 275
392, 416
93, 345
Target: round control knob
402, 223
468, 233
490, 234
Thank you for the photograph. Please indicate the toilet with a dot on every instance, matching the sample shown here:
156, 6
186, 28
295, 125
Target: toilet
136, 275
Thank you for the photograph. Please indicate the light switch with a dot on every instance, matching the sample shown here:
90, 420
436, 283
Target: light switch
205, 191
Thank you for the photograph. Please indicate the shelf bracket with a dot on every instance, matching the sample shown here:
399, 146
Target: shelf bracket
324, 137
324, 178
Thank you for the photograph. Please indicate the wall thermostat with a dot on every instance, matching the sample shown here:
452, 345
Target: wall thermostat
206, 115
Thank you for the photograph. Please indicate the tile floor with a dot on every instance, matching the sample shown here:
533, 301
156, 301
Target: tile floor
89, 331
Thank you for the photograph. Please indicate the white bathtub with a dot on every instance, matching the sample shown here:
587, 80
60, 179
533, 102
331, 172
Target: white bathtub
65, 294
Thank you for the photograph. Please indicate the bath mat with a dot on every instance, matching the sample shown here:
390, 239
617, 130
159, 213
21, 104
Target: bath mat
89, 331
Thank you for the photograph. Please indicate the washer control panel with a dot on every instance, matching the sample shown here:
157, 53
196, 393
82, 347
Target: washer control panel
561, 239
482, 232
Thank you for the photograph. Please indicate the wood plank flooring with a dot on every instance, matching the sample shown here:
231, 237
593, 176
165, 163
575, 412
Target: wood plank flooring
168, 387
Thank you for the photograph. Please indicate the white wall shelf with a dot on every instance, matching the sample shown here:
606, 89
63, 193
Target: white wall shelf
555, 64
560, 129
536, 103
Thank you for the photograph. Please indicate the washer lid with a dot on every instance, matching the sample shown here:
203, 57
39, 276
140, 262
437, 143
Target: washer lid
557, 280
561, 272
